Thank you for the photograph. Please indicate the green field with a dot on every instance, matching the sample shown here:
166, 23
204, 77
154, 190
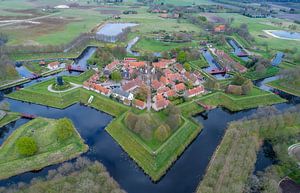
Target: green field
8, 118
290, 88
256, 98
256, 27
51, 150
154, 162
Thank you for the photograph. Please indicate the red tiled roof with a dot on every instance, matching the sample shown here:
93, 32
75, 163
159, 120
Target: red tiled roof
195, 91
219, 28
137, 64
179, 87
156, 84
131, 84
163, 89
52, 64
112, 65
162, 103
164, 80
139, 103
170, 93
101, 88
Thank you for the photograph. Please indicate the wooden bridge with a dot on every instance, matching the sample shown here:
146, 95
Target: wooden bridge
76, 69
28, 116
205, 106
218, 71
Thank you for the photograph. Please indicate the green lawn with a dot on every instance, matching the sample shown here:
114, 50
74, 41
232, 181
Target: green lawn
151, 45
51, 150
8, 118
291, 88
154, 163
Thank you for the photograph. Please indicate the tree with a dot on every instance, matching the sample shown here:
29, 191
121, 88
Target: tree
187, 67
130, 120
181, 57
162, 132
174, 121
144, 127
247, 87
64, 129
116, 76
26, 146
142, 93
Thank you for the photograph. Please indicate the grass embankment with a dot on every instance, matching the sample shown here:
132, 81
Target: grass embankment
154, 162
256, 98
51, 149
269, 72
8, 118
39, 94
282, 85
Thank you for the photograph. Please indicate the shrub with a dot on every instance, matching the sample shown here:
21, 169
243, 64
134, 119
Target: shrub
26, 146
64, 129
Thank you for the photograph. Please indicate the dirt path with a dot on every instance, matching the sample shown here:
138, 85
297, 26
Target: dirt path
27, 20
74, 86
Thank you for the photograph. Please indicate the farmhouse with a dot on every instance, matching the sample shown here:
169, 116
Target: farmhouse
220, 28
53, 65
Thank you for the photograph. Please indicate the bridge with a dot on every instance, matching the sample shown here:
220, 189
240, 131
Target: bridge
28, 116
218, 71
75, 68
205, 106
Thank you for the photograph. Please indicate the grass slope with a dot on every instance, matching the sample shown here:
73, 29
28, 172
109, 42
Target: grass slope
50, 149
290, 88
8, 118
154, 163
256, 98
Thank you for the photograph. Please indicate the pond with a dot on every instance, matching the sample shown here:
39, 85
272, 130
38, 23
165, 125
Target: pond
282, 34
110, 31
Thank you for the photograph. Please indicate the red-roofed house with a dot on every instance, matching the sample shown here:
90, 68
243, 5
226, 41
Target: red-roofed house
112, 66
164, 80
156, 84
194, 92
100, 89
140, 64
160, 104
163, 63
170, 93
192, 78
219, 28
139, 104
179, 87
130, 59
131, 85
163, 90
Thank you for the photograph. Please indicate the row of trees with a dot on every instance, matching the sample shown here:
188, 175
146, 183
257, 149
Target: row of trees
243, 86
147, 128
8, 71
106, 55
82, 175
